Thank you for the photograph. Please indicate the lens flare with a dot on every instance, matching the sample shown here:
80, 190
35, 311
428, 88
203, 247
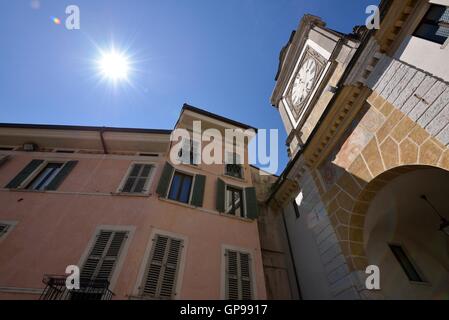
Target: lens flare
56, 20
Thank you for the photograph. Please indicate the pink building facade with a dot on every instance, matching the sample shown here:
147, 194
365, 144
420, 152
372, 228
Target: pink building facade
110, 201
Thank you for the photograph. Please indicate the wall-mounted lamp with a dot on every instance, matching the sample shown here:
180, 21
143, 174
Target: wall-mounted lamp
444, 227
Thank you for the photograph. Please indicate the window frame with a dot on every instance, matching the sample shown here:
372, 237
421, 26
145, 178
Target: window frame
146, 260
410, 260
148, 183
253, 276
184, 173
424, 20
25, 183
243, 197
121, 259
242, 168
11, 225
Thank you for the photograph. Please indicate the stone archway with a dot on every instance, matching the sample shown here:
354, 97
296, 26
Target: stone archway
398, 147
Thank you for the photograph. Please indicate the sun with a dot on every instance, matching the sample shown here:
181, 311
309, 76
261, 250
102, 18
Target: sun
114, 66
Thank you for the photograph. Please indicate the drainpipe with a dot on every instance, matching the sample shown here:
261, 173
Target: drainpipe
291, 255
103, 143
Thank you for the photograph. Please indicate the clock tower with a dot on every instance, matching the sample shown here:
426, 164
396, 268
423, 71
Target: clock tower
310, 67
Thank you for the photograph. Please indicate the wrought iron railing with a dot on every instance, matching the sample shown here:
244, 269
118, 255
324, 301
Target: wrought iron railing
56, 289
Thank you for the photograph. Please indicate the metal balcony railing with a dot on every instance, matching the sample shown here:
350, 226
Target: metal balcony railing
89, 289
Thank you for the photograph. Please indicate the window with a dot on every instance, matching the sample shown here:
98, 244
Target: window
103, 256
406, 263
45, 177
138, 178
180, 187
176, 186
233, 167
435, 24
238, 275
4, 228
161, 274
234, 201
65, 151
189, 153
241, 202
297, 203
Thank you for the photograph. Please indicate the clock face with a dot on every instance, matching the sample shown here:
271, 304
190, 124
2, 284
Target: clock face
304, 82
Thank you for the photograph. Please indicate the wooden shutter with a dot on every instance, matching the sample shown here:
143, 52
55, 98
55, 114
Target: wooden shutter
238, 276
103, 257
60, 177
252, 207
164, 181
137, 178
220, 195
198, 190
163, 267
24, 174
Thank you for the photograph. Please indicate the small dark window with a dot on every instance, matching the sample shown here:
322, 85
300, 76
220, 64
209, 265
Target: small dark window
180, 187
234, 201
406, 263
233, 166
435, 24
6, 148
65, 151
148, 155
45, 177
295, 207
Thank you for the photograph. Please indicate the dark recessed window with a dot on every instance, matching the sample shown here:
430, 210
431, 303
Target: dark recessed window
234, 166
65, 151
435, 25
234, 201
45, 177
295, 207
148, 155
6, 148
180, 187
406, 263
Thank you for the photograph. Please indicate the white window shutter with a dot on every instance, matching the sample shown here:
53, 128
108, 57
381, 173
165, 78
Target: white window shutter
238, 276
162, 270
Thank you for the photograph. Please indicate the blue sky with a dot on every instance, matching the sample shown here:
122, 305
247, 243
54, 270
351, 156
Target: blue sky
221, 56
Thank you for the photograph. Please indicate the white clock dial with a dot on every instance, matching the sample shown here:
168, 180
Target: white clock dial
303, 82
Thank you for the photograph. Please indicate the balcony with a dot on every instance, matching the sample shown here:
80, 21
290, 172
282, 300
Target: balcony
89, 289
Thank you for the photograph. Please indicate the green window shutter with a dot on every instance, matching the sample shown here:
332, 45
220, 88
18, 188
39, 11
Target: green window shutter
60, 177
102, 259
220, 198
198, 191
252, 208
164, 181
25, 173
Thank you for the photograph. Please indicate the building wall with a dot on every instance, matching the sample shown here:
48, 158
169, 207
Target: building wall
54, 228
321, 266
